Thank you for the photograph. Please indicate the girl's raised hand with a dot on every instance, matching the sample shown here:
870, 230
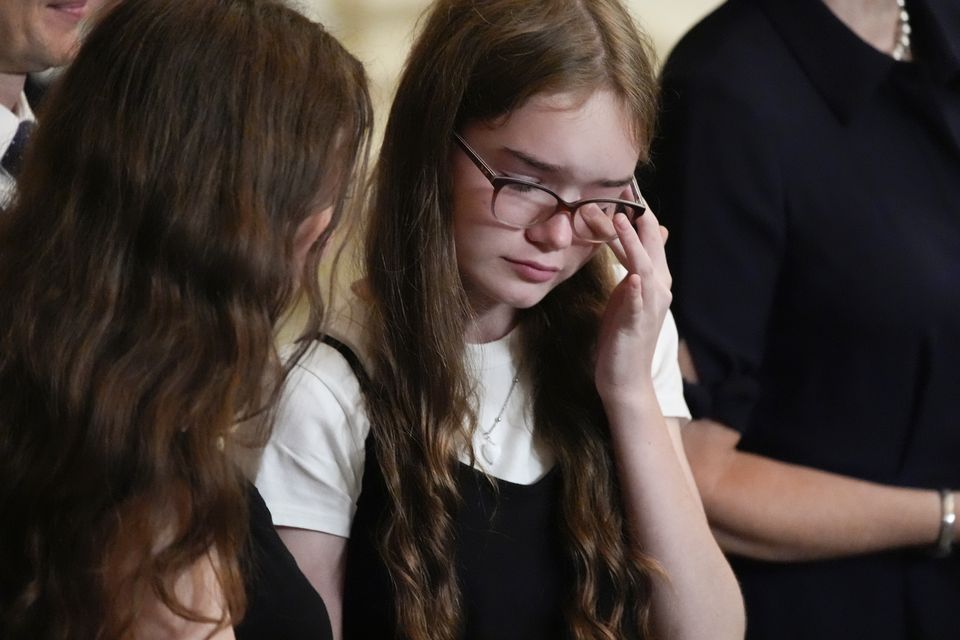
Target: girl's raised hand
636, 309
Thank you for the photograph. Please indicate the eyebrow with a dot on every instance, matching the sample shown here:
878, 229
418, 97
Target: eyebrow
546, 167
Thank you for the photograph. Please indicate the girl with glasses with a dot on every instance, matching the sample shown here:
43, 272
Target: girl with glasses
189, 168
487, 444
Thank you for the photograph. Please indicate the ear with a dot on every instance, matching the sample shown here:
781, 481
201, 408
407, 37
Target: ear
307, 234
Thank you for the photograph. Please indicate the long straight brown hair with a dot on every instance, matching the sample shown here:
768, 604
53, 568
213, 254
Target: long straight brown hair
143, 267
477, 60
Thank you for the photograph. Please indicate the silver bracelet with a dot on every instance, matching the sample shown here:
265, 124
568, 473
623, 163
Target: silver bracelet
948, 516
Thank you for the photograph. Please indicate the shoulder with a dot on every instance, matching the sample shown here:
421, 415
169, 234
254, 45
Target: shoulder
734, 55
322, 387
310, 472
338, 364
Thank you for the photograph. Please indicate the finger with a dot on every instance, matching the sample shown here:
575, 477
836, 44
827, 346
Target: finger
664, 234
636, 258
648, 230
617, 249
595, 222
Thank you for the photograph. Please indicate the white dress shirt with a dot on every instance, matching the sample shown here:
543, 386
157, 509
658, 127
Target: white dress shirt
9, 123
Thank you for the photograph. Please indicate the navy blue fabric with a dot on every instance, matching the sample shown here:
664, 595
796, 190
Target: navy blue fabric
811, 185
13, 156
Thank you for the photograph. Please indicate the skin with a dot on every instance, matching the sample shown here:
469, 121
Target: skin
199, 590
307, 235
547, 130
763, 508
875, 21
587, 142
36, 35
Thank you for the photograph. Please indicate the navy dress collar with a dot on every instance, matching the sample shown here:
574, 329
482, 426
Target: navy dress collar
847, 71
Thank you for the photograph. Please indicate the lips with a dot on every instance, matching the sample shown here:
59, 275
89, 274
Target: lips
74, 8
533, 271
534, 265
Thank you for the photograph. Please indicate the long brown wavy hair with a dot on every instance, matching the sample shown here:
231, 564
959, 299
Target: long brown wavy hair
143, 267
477, 60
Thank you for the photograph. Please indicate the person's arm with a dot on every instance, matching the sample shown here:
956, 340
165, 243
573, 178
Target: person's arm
310, 472
698, 597
197, 589
322, 557
771, 510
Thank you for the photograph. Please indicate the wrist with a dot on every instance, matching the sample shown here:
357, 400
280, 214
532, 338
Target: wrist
635, 395
628, 407
943, 547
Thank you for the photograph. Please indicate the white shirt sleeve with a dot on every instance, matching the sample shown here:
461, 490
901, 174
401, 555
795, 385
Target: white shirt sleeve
667, 381
311, 470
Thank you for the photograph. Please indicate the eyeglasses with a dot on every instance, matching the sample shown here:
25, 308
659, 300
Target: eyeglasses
522, 204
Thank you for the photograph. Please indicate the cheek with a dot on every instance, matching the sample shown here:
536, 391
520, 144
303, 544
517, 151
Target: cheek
473, 225
579, 254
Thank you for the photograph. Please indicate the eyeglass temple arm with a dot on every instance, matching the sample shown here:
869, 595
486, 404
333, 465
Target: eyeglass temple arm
477, 160
639, 196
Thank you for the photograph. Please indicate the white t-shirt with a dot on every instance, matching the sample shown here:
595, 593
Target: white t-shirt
311, 470
9, 123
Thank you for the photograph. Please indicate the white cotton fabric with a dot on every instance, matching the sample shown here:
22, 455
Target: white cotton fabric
310, 472
9, 123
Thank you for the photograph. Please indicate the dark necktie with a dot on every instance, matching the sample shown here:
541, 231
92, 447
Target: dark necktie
14, 155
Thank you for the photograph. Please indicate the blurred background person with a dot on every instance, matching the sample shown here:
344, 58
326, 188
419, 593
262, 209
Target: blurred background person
177, 196
808, 167
35, 35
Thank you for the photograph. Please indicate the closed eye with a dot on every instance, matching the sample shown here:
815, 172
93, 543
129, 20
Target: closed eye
518, 176
521, 187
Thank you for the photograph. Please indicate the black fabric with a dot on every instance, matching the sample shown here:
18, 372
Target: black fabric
36, 88
812, 188
13, 156
281, 602
510, 560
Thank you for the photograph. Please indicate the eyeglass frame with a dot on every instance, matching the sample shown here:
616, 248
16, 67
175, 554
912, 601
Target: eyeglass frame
499, 181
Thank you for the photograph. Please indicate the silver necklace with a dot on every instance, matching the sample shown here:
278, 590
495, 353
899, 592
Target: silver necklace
901, 47
490, 450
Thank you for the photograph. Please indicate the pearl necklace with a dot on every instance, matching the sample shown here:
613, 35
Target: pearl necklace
490, 450
901, 47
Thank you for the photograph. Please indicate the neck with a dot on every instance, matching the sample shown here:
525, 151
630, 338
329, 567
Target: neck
11, 86
491, 324
874, 21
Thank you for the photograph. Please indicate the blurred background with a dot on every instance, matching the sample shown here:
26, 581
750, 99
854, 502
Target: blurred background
379, 32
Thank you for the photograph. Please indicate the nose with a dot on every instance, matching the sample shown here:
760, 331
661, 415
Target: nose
556, 232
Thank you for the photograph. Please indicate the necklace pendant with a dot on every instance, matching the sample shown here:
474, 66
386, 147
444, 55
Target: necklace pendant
489, 452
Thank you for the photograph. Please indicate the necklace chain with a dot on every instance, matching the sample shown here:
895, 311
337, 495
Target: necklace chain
489, 449
901, 47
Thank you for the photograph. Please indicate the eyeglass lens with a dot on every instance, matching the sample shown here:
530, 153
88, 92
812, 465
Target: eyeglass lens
525, 205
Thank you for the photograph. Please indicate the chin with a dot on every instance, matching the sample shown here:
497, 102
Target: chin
526, 296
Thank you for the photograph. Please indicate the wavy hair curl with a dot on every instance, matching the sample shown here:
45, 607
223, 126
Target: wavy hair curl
143, 267
477, 60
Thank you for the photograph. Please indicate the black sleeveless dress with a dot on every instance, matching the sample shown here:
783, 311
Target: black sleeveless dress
281, 602
510, 563
514, 576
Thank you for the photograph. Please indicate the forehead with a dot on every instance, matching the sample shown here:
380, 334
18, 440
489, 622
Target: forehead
589, 136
